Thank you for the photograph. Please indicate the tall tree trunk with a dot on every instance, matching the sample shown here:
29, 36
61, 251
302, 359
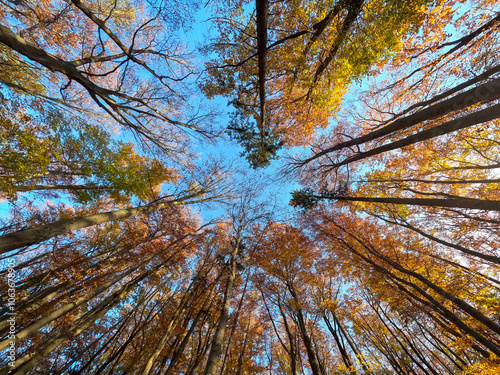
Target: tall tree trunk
441, 347
28, 361
202, 346
35, 235
115, 357
481, 94
475, 118
218, 339
313, 361
473, 312
341, 347
291, 338
173, 322
382, 346
428, 307
240, 304
356, 351
92, 359
437, 305
242, 353
401, 344
292, 353
489, 258
185, 340
261, 7
88, 296
459, 202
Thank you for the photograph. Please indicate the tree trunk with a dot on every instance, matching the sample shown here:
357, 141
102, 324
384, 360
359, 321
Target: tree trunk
345, 356
313, 361
481, 94
357, 352
173, 322
471, 119
35, 235
382, 346
473, 312
461, 202
489, 258
437, 305
202, 346
185, 340
27, 362
242, 353
218, 339
103, 346
401, 344
87, 297
240, 304
293, 349
261, 7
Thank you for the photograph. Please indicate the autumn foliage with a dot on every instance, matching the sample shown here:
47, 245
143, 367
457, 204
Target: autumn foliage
127, 249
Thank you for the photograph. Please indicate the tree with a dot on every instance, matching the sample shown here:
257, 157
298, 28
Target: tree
37, 234
107, 70
396, 258
109, 286
243, 214
285, 256
295, 60
51, 152
391, 266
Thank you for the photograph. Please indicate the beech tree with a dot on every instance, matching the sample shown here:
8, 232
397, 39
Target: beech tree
106, 70
37, 234
134, 251
296, 60
54, 153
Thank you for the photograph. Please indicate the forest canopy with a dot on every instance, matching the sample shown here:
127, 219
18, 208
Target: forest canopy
250, 187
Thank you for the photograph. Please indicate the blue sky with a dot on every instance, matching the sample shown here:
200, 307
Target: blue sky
223, 149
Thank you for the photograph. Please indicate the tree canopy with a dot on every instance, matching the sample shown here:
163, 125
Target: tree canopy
359, 235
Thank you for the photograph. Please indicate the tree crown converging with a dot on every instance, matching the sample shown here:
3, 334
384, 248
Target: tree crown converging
358, 235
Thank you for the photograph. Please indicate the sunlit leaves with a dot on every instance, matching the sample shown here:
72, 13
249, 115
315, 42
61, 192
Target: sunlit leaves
55, 152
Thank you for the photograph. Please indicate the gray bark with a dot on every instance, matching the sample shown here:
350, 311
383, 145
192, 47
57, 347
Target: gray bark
216, 347
480, 94
35, 235
462, 202
475, 118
